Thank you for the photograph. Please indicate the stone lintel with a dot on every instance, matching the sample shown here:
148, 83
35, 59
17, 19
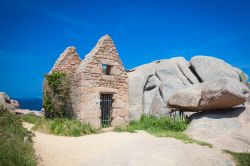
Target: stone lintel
108, 62
104, 90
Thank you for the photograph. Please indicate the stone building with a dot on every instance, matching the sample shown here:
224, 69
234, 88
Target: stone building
99, 84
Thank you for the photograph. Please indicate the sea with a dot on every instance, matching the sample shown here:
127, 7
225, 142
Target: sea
31, 104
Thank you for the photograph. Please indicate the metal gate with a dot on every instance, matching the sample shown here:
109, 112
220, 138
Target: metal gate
106, 109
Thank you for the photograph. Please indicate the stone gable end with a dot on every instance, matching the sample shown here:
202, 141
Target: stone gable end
68, 61
90, 80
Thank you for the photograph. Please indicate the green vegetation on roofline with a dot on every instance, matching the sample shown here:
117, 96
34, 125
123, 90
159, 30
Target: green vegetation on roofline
59, 126
13, 150
162, 127
241, 159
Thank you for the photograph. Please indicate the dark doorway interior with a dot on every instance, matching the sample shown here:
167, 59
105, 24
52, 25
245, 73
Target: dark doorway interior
106, 109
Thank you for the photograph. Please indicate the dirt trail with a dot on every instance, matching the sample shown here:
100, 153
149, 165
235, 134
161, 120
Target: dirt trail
123, 149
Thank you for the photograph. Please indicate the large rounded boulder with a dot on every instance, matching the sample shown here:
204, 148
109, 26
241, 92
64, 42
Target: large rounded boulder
138, 78
151, 85
210, 79
209, 68
210, 95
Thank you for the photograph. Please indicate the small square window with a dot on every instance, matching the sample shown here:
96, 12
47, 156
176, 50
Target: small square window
106, 69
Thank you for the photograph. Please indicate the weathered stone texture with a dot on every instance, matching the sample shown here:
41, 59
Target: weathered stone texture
217, 94
90, 83
210, 68
152, 85
5, 102
67, 62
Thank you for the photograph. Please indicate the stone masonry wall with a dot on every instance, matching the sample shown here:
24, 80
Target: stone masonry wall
87, 82
68, 61
91, 83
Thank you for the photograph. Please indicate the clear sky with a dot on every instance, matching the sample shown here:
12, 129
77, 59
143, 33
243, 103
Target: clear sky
34, 32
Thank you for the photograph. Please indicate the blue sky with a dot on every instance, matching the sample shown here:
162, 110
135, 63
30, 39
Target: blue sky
34, 32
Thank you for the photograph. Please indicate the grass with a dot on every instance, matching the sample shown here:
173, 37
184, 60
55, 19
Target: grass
162, 127
241, 159
13, 150
60, 126
30, 118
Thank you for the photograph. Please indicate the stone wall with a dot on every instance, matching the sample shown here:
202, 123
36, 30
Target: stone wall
91, 83
88, 82
68, 61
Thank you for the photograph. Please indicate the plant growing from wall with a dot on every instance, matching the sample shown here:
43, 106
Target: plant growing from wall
56, 95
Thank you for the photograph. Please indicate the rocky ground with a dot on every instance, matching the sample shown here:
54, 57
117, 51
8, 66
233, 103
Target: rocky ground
124, 149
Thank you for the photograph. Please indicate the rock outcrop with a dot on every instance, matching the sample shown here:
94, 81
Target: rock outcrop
5, 102
151, 85
15, 103
222, 93
210, 68
137, 83
13, 106
224, 129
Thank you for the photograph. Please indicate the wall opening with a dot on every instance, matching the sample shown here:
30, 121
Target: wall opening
106, 69
106, 109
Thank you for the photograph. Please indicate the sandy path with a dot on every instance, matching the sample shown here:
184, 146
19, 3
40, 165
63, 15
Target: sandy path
123, 149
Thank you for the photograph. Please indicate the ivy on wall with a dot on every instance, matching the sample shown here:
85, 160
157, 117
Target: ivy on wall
56, 95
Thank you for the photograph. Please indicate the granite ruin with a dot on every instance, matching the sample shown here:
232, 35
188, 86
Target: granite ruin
99, 84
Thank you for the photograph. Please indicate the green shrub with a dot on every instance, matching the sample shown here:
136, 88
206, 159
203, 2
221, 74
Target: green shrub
30, 118
60, 126
162, 127
13, 150
56, 100
242, 159
152, 123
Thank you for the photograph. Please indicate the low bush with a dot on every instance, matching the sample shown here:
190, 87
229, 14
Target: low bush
162, 127
30, 118
13, 150
60, 126
152, 123
56, 100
